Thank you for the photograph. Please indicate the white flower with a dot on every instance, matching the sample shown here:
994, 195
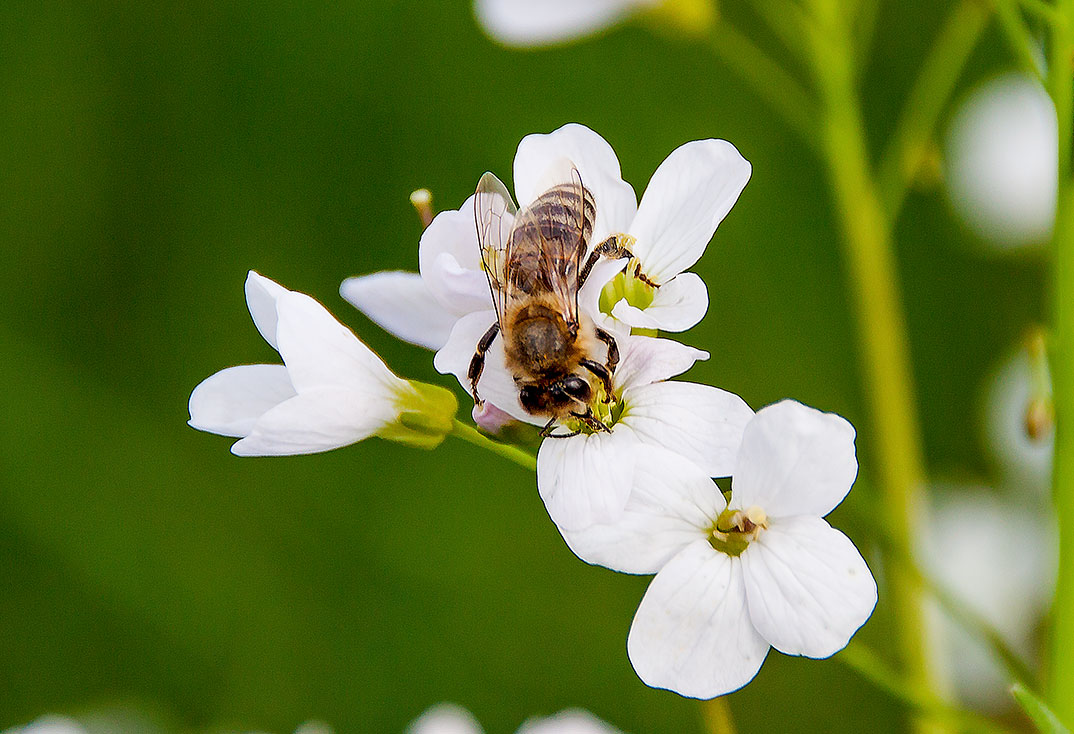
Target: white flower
446, 718
1025, 460
734, 578
587, 478
529, 23
544, 22
50, 724
999, 559
1002, 152
688, 196
331, 390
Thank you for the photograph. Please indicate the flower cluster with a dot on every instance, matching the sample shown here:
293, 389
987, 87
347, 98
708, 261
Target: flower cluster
446, 718
629, 482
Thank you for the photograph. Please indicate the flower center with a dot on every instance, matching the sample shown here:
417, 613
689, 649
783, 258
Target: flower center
734, 530
607, 413
630, 285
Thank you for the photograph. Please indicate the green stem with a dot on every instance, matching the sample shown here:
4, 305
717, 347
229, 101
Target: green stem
1061, 86
716, 716
507, 451
867, 664
778, 89
881, 329
1042, 10
914, 132
1018, 37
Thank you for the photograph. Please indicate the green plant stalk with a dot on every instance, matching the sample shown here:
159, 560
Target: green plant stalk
716, 716
511, 453
1061, 86
882, 331
869, 666
932, 89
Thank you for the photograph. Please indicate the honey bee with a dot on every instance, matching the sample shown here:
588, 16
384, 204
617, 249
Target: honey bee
535, 265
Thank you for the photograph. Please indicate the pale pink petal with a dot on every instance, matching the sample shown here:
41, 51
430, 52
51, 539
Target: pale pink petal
702, 423
692, 632
672, 503
688, 196
229, 402
795, 460
401, 304
596, 161
808, 588
677, 305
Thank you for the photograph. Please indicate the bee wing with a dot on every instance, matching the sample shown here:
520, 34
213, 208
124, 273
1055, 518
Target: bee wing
550, 238
494, 214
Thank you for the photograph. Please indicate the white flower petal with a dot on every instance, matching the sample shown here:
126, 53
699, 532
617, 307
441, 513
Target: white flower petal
401, 304
615, 199
230, 401
261, 296
702, 423
586, 479
1001, 153
449, 258
317, 420
527, 23
572, 721
321, 352
692, 632
672, 503
808, 588
677, 305
688, 196
445, 718
496, 385
795, 460
646, 359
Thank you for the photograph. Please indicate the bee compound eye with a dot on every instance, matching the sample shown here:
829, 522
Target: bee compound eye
577, 388
531, 397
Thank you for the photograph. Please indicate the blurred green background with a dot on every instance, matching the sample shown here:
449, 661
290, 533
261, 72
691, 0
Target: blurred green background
152, 153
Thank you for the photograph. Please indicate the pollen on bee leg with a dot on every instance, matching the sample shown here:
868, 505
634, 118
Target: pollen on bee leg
422, 200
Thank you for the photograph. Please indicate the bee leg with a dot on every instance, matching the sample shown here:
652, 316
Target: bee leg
609, 248
477, 362
591, 421
603, 375
550, 426
612, 360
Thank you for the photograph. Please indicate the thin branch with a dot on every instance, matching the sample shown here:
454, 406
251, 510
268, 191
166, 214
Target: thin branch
927, 99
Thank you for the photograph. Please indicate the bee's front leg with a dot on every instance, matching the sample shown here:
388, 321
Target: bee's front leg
612, 360
612, 248
603, 375
477, 362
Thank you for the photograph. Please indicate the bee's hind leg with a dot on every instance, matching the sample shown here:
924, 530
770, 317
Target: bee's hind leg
610, 248
477, 362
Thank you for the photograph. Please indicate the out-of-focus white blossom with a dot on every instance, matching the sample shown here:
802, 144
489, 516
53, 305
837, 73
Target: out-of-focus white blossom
1024, 459
50, 724
999, 559
447, 718
1002, 161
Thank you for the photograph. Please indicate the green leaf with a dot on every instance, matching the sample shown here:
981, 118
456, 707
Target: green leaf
1043, 717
